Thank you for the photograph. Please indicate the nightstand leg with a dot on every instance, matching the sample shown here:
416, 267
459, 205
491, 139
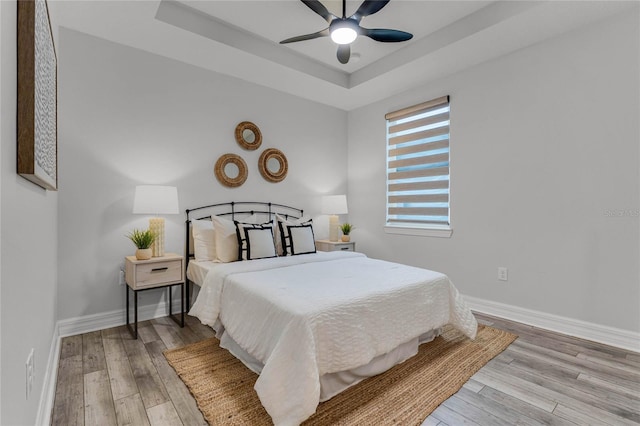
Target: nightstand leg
181, 322
188, 301
133, 332
135, 313
182, 305
127, 290
170, 301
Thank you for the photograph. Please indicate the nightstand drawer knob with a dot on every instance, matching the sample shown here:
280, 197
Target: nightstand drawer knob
344, 248
159, 269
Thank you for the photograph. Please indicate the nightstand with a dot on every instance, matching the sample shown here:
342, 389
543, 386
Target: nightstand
326, 245
157, 272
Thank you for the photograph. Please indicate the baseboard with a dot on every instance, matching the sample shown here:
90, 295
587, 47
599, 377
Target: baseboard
48, 393
79, 325
88, 323
625, 339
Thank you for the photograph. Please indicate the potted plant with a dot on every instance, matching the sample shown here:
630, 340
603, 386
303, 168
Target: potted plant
346, 229
143, 241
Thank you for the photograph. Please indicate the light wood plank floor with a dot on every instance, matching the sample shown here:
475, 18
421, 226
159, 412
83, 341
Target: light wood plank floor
543, 378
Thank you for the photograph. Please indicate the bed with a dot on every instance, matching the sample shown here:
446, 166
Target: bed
312, 324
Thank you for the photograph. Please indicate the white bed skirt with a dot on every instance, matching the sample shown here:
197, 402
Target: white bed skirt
332, 384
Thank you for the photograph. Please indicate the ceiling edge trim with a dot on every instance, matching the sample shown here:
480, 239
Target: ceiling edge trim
189, 19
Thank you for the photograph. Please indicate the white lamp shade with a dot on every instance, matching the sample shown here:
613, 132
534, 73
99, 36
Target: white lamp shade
154, 199
334, 204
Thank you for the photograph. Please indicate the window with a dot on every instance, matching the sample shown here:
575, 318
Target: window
418, 169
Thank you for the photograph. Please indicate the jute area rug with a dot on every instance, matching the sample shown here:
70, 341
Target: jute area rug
405, 394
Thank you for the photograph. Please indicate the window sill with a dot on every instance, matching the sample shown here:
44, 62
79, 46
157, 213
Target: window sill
444, 232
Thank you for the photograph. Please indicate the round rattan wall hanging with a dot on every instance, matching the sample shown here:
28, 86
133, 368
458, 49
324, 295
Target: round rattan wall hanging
273, 165
231, 170
248, 136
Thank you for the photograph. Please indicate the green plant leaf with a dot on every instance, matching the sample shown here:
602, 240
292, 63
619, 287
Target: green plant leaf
346, 228
142, 238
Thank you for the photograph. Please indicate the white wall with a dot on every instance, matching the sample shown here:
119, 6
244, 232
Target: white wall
128, 117
545, 142
28, 224
1, 138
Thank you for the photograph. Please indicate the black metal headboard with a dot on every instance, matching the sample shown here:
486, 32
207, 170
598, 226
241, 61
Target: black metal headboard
235, 209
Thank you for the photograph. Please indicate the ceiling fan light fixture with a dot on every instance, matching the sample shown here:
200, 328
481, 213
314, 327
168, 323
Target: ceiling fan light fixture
343, 35
343, 31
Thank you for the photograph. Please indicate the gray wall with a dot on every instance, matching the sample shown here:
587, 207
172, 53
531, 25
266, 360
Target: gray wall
128, 117
544, 147
29, 250
1, 139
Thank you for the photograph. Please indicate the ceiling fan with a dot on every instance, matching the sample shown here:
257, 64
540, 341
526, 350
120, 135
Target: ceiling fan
345, 30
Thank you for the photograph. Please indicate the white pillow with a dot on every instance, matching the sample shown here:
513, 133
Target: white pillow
258, 241
282, 239
302, 240
204, 243
225, 237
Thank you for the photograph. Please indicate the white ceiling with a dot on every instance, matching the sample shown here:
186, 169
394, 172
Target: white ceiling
240, 38
292, 18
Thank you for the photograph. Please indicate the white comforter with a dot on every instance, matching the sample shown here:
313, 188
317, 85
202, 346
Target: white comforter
305, 316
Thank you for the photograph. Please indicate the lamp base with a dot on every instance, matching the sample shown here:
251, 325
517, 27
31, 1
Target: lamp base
333, 227
156, 225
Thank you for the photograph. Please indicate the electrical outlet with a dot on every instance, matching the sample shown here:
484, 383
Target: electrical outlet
30, 370
121, 280
503, 274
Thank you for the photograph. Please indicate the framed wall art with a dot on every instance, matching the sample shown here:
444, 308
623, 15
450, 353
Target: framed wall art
37, 96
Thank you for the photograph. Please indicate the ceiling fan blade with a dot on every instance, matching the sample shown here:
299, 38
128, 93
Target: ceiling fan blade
319, 8
386, 36
344, 52
323, 33
369, 7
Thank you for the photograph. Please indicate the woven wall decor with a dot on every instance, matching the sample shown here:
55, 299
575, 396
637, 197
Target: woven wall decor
268, 159
223, 177
248, 136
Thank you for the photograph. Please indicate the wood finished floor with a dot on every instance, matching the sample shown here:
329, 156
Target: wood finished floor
543, 378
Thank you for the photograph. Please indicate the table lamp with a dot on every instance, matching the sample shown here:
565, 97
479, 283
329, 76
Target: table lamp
333, 205
156, 200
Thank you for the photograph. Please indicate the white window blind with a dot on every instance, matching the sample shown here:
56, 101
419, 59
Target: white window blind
418, 165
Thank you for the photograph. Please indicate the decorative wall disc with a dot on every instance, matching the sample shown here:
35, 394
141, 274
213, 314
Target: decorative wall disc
273, 165
248, 136
231, 170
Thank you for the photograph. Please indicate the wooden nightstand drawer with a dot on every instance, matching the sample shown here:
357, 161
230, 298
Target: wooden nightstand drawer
326, 245
343, 247
156, 272
159, 272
